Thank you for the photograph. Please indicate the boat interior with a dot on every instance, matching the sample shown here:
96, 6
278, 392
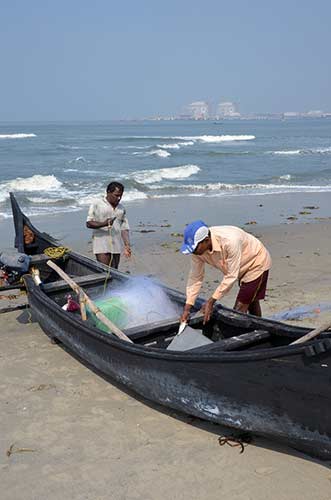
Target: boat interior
219, 334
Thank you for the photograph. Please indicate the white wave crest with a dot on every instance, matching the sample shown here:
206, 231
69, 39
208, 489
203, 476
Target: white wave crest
285, 177
291, 152
202, 138
159, 152
322, 150
79, 159
220, 138
194, 138
175, 145
17, 136
34, 183
133, 195
49, 200
155, 152
306, 151
150, 176
168, 146
88, 199
130, 195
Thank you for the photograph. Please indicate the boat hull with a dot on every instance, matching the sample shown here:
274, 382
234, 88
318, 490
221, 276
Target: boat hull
279, 393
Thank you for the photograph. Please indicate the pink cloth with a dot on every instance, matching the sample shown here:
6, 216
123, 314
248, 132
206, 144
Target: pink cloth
72, 305
237, 254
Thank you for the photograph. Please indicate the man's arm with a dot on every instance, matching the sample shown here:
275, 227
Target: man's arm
126, 241
126, 235
194, 282
91, 221
92, 224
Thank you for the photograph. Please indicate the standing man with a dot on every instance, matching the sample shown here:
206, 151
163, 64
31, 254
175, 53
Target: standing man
107, 218
237, 254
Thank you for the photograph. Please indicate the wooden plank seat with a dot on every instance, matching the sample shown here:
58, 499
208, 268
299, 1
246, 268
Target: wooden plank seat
89, 279
38, 259
157, 328
235, 343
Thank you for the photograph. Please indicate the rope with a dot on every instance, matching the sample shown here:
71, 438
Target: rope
241, 440
56, 252
111, 259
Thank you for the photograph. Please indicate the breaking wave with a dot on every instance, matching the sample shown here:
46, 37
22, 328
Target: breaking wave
285, 177
294, 152
150, 176
79, 159
223, 189
219, 138
194, 138
34, 183
305, 151
17, 136
156, 152
129, 195
175, 145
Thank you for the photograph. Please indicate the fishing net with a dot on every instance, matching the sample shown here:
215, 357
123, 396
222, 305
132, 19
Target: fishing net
114, 309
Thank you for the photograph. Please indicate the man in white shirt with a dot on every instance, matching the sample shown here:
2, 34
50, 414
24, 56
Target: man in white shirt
107, 217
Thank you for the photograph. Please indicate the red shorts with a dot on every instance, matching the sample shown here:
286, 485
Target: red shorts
253, 290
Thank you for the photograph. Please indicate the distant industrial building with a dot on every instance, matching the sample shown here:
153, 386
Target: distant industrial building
198, 110
227, 110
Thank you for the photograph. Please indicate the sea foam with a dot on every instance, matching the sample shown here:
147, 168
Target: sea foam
155, 152
17, 136
291, 152
128, 195
188, 139
175, 145
219, 138
34, 183
305, 151
150, 176
222, 189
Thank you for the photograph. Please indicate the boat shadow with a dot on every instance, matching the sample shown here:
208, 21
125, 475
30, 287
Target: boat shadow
237, 439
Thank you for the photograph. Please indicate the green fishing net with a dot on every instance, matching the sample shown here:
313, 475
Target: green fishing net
114, 309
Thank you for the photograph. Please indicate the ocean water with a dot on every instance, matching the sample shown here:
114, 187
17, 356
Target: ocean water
61, 167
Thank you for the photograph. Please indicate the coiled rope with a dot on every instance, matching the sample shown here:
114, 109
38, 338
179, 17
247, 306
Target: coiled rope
56, 252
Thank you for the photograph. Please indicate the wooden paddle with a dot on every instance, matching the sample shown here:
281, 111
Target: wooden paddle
83, 297
313, 333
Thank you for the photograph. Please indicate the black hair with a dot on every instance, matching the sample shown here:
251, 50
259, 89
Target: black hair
115, 185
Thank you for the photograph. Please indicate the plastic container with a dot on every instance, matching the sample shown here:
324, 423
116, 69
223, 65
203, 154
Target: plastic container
16, 261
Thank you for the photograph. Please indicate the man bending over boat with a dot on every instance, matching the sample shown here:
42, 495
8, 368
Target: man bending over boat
107, 217
237, 254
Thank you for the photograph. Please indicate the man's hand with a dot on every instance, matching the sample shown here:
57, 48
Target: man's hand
207, 309
127, 251
186, 313
109, 222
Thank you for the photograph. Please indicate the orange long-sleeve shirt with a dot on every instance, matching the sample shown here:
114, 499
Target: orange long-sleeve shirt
237, 254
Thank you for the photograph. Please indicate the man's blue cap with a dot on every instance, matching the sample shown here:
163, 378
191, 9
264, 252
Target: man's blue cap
194, 233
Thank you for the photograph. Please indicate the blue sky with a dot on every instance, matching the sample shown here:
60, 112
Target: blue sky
83, 60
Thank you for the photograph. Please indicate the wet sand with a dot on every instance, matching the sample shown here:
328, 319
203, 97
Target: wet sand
89, 439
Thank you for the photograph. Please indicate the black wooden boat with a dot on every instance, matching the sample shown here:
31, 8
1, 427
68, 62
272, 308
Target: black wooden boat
249, 378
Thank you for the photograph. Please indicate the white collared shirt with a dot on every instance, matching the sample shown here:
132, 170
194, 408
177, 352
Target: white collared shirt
107, 240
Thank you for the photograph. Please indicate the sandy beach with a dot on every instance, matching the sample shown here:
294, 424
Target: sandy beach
86, 438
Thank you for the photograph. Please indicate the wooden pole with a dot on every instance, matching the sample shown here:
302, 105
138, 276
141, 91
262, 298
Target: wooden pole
80, 292
82, 306
313, 333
